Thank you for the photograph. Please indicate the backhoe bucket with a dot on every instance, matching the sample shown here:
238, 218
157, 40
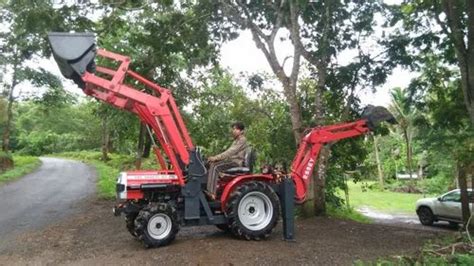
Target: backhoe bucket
377, 114
74, 53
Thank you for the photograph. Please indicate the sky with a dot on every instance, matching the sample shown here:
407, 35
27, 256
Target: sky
242, 55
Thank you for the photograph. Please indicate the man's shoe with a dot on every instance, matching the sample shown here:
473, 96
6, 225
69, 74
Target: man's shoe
210, 195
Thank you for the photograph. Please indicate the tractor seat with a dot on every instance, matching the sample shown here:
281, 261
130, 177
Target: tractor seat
247, 166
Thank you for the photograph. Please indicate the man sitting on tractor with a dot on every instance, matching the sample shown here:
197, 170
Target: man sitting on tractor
232, 157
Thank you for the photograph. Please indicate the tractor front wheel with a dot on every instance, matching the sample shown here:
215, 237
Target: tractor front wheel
253, 210
157, 225
130, 223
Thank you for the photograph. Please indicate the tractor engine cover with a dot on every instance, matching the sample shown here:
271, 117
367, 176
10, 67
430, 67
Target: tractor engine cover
134, 184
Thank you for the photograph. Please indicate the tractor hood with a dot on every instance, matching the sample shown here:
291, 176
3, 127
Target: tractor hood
74, 53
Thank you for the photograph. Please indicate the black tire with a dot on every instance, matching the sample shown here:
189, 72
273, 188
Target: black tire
157, 225
253, 210
454, 224
130, 223
223, 227
425, 215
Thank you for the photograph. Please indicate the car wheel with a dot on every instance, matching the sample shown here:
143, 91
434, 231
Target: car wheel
454, 224
425, 215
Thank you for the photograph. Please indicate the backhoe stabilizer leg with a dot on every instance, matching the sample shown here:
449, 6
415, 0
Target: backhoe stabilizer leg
287, 199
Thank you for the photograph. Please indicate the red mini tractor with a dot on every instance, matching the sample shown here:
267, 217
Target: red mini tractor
156, 203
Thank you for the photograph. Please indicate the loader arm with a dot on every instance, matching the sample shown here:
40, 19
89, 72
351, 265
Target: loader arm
153, 104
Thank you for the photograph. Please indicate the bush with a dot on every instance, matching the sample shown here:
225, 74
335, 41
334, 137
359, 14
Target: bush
23, 166
406, 187
438, 184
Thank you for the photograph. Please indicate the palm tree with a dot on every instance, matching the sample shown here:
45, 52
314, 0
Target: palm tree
405, 113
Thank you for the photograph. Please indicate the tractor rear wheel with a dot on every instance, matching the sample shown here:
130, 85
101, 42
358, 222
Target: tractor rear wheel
223, 227
253, 210
157, 225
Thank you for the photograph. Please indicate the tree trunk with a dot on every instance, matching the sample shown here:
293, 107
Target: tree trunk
105, 139
464, 55
307, 208
295, 112
11, 99
379, 164
467, 78
140, 146
320, 183
462, 180
408, 147
289, 90
468, 91
147, 148
320, 178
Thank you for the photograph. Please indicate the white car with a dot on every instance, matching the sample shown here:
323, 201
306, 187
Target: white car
446, 207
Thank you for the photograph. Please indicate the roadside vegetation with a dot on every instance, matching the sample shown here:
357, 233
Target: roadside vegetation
450, 250
369, 194
345, 212
434, 136
23, 165
107, 171
433, 141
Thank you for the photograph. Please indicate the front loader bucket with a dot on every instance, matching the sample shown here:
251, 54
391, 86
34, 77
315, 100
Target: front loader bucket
377, 114
74, 53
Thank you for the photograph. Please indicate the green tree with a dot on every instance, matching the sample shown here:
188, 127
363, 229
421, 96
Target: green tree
447, 132
27, 23
327, 28
444, 28
406, 114
42, 129
166, 42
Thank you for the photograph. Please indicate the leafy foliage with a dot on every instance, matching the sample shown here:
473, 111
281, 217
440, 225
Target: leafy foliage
176, 44
23, 166
44, 129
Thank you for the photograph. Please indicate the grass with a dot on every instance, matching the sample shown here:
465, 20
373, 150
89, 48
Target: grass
107, 179
23, 165
347, 213
381, 200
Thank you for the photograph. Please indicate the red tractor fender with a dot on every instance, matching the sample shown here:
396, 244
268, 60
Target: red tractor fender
239, 180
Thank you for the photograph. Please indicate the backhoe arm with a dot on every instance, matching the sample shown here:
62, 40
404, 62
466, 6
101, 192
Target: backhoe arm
311, 144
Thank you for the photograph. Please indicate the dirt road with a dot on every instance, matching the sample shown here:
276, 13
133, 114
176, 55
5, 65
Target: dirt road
93, 236
43, 197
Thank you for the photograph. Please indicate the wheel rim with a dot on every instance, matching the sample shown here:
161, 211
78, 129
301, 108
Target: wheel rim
159, 226
425, 215
255, 211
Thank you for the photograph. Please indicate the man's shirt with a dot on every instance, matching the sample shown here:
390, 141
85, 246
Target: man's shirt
236, 152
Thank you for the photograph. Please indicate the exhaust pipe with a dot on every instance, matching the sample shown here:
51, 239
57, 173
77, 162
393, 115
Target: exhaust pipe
376, 115
74, 53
